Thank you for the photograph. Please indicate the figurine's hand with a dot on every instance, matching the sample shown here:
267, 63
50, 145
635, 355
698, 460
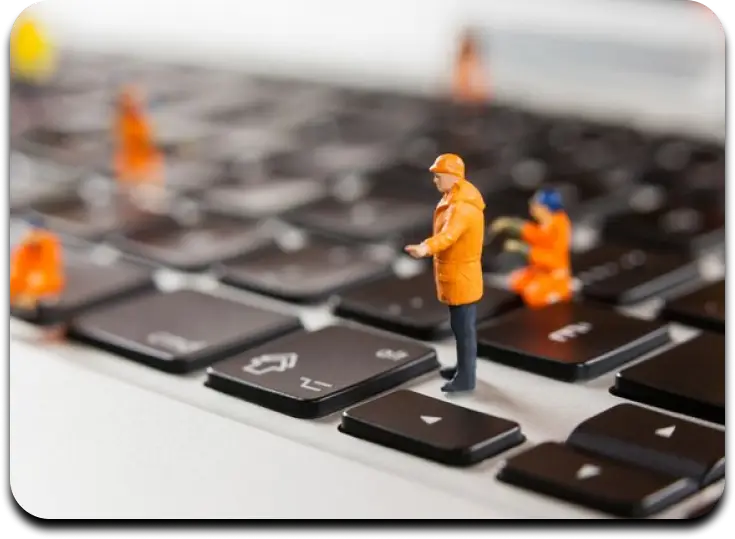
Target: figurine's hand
515, 246
417, 251
501, 224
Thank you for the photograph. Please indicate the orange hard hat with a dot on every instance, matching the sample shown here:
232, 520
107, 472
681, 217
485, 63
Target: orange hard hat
448, 163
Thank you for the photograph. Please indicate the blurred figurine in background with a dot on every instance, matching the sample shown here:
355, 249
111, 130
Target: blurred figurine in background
32, 64
459, 228
547, 278
36, 270
471, 84
138, 163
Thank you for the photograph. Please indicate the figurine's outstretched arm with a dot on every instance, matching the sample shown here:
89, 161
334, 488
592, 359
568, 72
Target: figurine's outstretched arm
455, 225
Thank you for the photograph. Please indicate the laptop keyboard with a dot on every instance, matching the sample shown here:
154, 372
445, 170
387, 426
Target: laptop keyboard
289, 197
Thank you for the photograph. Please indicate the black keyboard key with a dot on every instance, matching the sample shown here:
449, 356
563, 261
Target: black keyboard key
431, 428
689, 224
568, 341
90, 282
313, 374
367, 219
621, 275
92, 220
703, 308
654, 441
688, 379
193, 247
179, 331
595, 482
305, 273
410, 306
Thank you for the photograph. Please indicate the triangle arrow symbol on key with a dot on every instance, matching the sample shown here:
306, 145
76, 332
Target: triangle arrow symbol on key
587, 471
666, 432
430, 420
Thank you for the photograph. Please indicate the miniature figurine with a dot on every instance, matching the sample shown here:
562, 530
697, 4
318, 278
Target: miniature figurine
470, 84
138, 163
547, 278
36, 270
32, 63
459, 228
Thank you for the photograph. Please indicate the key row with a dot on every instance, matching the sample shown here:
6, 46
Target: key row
114, 306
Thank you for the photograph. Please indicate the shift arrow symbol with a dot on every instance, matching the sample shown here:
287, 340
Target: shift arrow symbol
430, 420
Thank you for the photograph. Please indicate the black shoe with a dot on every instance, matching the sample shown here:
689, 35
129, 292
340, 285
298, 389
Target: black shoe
448, 372
453, 387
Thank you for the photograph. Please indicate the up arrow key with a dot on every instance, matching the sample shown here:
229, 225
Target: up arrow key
430, 420
666, 432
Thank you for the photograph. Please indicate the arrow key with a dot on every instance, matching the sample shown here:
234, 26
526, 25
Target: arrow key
613, 487
431, 428
655, 441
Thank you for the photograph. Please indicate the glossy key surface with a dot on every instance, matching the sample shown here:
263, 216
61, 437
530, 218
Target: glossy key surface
621, 275
596, 482
196, 246
409, 306
431, 428
655, 441
568, 341
688, 379
307, 273
313, 374
179, 331
702, 308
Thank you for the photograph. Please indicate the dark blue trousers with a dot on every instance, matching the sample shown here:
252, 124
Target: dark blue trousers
463, 321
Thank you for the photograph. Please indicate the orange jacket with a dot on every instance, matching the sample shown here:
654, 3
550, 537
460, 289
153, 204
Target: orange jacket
36, 267
549, 244
137, 158
470, 83
459, 230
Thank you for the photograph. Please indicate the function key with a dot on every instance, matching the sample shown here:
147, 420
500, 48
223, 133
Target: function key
688, 379
90, 282
703, 308
655, 441
596, 482
621, 275
313, 374
196, 246
409, 305
179, 331
431, 428
568, 341
305, 272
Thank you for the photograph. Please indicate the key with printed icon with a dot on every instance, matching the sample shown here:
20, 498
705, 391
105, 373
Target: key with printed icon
568, 341
655, 441
179, 331
597, 482
313, 374
431, 428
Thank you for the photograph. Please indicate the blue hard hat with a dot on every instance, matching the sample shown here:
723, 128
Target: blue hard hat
550, 199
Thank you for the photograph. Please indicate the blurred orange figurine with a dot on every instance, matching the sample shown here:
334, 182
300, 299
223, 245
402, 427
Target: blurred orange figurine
36, 271
138, 162
456, 245
547, 278
470, 83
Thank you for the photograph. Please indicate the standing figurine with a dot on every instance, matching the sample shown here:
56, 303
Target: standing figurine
32, 63
547, 278
138, 163
459, 228
36, 271
470, 83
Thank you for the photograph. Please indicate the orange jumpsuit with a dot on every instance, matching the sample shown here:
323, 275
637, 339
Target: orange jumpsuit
137, 160
547, 279
36, 270
470, 84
